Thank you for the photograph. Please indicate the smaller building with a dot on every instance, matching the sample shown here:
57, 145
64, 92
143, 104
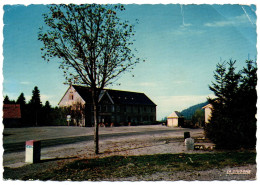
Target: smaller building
208, 111
11, 115
175, 119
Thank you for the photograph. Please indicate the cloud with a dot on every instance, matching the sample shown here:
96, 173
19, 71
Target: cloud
45, 97
146, 84
136, 86
235, 21
25, 83
185, 29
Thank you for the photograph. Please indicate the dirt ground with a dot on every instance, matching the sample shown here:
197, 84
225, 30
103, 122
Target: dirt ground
144, 144
152, 140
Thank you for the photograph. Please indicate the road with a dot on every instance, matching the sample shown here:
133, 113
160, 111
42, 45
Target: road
13, 136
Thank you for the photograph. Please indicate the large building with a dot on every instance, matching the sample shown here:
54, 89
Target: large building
115, 106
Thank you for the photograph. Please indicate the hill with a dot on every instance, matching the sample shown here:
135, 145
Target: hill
187, 113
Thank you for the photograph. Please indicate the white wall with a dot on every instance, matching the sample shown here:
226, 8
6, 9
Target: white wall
66, 101
207, 114
172, 122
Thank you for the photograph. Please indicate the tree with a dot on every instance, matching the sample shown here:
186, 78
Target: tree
21, 100
93, 44
46, 113
233, 122
8, 101
36, 103
198, 117
247, 103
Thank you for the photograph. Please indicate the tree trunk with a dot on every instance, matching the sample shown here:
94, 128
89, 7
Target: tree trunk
96, 137
36, 116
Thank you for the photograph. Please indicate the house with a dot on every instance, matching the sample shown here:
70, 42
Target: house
115, 106
11, 115
175, 119
208, 110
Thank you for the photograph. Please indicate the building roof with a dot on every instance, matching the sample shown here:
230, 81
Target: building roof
11, 111
175, 114
84, 92
117, 96
208, 106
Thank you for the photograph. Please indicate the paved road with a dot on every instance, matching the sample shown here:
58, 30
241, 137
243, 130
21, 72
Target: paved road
11, 144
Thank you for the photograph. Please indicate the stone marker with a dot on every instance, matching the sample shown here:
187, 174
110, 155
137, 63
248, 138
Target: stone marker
32, 151
189, 142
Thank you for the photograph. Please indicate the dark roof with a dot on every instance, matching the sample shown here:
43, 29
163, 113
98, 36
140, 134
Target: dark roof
178, 114
11, 111
118, 96
126, 97
84, 92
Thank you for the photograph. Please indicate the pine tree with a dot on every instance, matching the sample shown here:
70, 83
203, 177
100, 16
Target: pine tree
247, 103
21, 100
36, 104
233, 123
46, 113
8, 101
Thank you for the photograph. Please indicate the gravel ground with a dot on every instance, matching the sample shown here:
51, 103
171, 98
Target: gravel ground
145, 144
207, 175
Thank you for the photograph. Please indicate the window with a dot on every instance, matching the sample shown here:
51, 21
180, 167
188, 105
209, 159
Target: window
71, 96
112, 108
104, 108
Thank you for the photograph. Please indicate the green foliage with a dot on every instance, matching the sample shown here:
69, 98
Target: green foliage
233, 122
92, 42
36, 99
164, 119
46, 115
8, 101
198, 118
35, 106
21, 100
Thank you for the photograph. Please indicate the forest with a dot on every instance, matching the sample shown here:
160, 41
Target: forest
34, 113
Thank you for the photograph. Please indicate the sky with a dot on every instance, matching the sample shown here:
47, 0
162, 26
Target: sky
181, 45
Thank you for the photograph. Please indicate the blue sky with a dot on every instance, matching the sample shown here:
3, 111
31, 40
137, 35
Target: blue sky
181, 45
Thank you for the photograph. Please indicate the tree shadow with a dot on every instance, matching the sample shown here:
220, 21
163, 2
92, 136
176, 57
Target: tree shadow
55, 159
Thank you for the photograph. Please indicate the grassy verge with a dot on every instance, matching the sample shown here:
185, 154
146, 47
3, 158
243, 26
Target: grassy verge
127, 166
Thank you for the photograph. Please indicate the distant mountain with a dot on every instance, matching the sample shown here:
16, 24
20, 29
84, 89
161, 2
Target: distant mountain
187, 113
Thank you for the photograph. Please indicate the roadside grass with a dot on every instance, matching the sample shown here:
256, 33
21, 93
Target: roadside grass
114, 167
